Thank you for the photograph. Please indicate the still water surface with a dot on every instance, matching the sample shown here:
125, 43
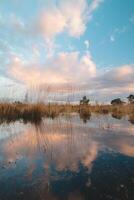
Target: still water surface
67, 159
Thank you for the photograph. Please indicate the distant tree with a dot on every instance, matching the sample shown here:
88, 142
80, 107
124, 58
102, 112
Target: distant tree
131, 98
117, 101
84, 101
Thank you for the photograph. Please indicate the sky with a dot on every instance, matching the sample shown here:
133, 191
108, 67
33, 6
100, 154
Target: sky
85, 45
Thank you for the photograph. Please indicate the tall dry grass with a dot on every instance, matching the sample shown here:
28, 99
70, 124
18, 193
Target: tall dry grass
11, 112
35, 112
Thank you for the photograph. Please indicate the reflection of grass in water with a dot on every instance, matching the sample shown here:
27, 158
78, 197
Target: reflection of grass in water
131, 118
63, 143
85, 114
35, 112
117, 115
66, 167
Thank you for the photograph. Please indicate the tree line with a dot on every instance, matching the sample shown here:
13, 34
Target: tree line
118, 101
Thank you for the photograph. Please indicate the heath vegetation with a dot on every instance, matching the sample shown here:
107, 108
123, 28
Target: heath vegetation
34, 112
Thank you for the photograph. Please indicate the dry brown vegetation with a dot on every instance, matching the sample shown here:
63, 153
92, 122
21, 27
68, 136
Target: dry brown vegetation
34, 112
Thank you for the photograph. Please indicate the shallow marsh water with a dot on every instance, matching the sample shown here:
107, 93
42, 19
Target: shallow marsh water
68, 159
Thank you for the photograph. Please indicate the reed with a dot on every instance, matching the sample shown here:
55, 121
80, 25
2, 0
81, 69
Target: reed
34, 112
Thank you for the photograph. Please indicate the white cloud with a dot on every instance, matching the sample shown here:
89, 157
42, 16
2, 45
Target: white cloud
52, 22
117, 82
55, 18
87, 43
64, 17
94, 5
78, 71
76, 16
118, 75
64, 68
71, 18
112, 38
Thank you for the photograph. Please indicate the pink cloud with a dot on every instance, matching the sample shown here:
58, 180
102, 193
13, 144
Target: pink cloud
62, 69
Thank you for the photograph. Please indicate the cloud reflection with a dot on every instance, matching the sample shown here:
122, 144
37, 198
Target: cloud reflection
62, 145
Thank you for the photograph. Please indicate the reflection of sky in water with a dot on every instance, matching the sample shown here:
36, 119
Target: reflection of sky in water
59, 152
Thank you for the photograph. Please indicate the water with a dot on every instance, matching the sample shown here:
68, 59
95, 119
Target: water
68, 158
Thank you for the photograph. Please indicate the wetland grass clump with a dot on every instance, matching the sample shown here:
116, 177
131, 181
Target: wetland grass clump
122, 110
100, 109
84, 113
115, 110
33, 112
13, 111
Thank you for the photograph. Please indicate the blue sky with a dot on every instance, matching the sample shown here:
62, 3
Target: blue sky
58, 42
